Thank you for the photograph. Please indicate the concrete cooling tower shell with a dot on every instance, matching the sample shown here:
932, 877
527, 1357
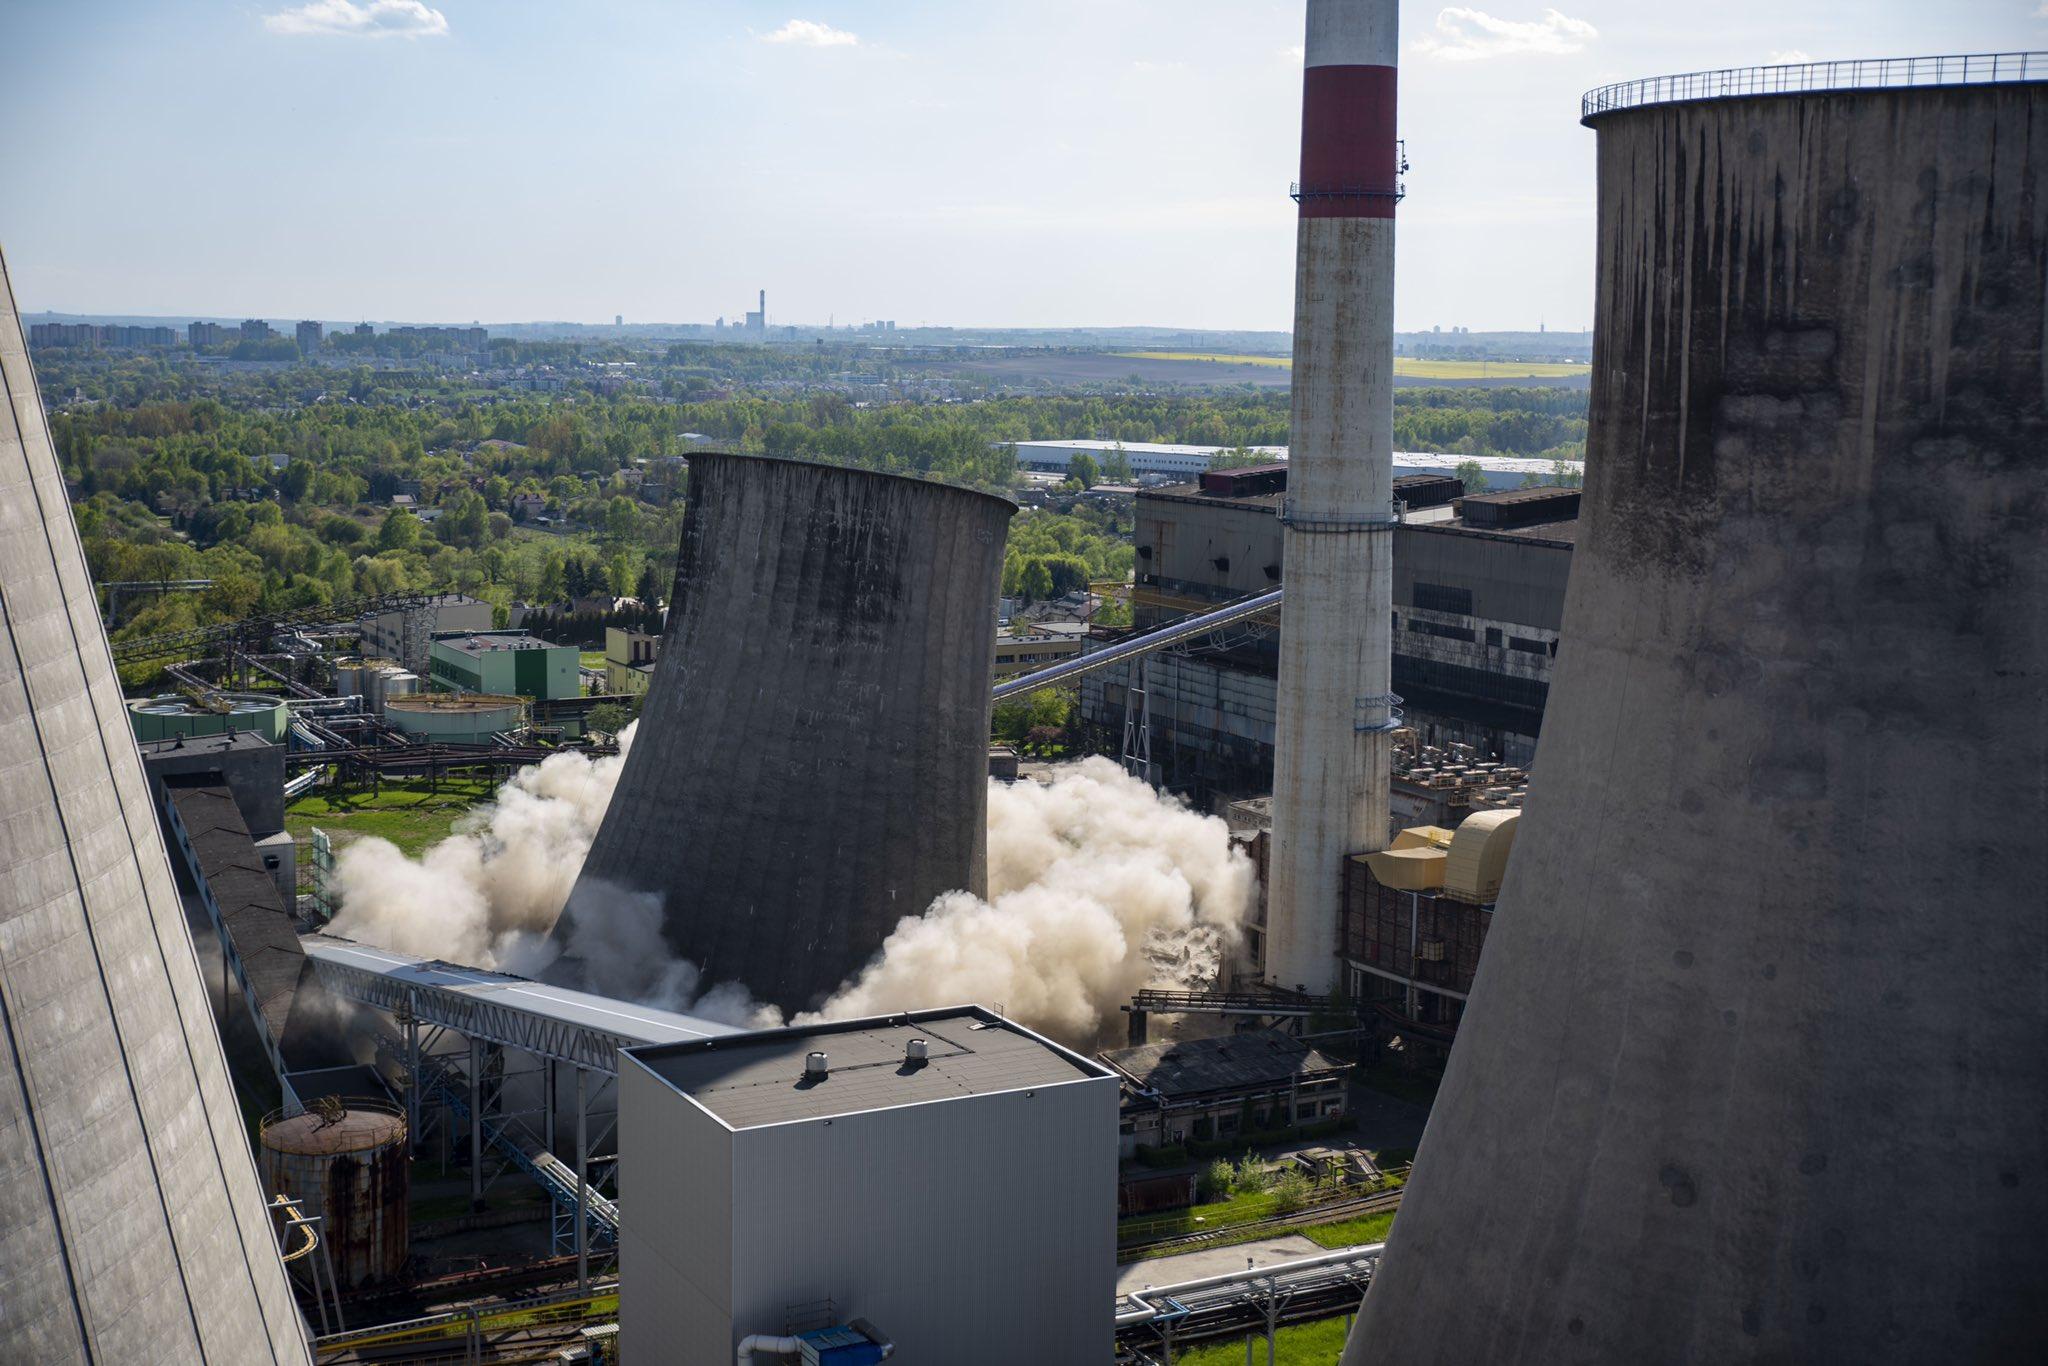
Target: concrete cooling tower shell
1756, 1066
811, 762
132, 1227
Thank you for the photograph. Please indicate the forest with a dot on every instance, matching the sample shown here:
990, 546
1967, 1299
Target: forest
541, 499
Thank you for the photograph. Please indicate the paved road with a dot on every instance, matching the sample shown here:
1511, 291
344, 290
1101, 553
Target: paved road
1212, 1261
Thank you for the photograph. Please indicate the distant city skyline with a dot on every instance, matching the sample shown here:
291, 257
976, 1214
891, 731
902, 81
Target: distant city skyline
1062, 163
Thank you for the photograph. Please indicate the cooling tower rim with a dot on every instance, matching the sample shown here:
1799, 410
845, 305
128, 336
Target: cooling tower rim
857, 471
1872, 75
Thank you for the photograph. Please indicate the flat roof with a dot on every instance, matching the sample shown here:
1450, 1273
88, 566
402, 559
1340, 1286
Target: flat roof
747, 1081
219, 743
482, 642
580, 1008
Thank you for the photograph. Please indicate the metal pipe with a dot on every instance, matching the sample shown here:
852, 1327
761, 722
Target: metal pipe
1187, 628
1146, 1311
764, 1342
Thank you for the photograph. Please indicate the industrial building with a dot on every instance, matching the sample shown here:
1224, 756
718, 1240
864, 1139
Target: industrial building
1414, 921
1478, 600
1760, 1001
945, 1178
511, 663
1023, 650
1181, 462
840, 625
406, 633
135, 1228
629, 660
1221, 1088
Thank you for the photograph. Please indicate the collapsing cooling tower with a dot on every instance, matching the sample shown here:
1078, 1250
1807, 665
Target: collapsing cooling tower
811, 764
132, 1227
1756, 1065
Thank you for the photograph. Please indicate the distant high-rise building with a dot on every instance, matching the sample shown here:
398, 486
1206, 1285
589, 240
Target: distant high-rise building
206, 334
257, 330
365, 330
618, 320
757, 322
310, 334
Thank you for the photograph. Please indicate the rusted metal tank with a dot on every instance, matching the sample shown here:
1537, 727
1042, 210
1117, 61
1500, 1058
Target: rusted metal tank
345, 1164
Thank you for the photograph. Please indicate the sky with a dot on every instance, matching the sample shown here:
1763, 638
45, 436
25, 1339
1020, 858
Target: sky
1014, 163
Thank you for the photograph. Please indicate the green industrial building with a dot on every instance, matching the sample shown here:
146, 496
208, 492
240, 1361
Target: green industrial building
510, 662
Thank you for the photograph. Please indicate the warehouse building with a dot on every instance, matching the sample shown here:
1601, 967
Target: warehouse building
508, 662
943, 1177
1202, 1090
1479, 587
1191, 462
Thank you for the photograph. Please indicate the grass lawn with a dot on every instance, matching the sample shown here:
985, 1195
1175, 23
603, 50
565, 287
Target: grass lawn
1308, 1344
1366, 1228
408, 813
591, 659
1411, 367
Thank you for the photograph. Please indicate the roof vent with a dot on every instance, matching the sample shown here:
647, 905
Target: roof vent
816, 1067
916, 1051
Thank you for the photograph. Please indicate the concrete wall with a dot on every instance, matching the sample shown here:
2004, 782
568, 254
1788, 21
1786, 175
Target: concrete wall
973, 1230
1753, 1071
812, 759
132, 1225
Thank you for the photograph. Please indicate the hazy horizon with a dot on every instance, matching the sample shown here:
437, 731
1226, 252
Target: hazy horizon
1063, 164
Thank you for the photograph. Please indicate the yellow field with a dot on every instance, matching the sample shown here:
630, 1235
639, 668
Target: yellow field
1277, 362
1408, 366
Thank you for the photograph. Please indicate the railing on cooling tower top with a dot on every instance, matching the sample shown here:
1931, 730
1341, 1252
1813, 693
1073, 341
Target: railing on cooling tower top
1874, 73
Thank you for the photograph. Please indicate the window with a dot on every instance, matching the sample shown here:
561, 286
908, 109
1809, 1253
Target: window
1430, 628
1435, 597
1493, 636
1222, 563
1526, 645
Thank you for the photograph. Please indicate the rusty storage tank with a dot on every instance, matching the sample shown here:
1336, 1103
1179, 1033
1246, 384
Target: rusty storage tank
346, 1163
1753, 1069
812, 759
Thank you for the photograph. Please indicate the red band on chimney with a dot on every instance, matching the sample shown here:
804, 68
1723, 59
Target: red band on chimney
1348, 159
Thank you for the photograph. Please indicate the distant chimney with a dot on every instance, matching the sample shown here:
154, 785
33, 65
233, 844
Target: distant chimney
916, 1052
816, 1067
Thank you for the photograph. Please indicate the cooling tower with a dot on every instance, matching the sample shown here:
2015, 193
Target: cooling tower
1335, 714
812, 760
1756, 1065
132, 1227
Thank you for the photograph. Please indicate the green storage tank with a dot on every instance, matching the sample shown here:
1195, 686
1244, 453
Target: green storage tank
170, 715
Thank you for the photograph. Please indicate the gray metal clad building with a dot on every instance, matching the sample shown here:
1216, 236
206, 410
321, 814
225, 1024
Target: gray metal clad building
963, 1202
1753, 1069
812, 757
132, 1224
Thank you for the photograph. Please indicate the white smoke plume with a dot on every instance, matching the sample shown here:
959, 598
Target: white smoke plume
1097, 887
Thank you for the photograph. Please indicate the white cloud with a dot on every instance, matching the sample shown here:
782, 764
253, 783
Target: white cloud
1790, 56
360, 18
1470, 35
810, 33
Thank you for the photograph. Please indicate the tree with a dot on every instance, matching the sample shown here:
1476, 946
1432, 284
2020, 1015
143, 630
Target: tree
648, 590
609, 717
1034, 580
400, 531
621, 518
1472, 475
1083, 470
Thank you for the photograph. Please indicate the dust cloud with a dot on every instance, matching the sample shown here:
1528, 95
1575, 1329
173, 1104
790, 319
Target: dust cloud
1097, 887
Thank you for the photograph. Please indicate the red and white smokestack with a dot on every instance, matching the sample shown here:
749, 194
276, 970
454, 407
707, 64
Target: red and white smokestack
1335, 703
